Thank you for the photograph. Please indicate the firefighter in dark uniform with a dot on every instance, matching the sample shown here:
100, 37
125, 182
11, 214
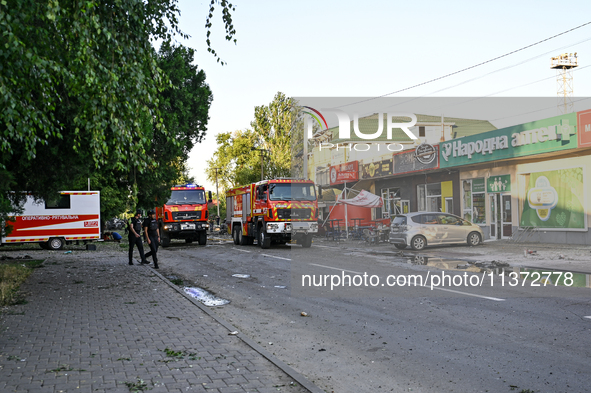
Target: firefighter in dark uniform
152, 236
135, 236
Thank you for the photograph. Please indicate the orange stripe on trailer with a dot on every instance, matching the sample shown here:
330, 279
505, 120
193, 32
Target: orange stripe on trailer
25, 240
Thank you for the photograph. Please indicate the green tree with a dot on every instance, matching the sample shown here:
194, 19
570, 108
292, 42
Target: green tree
273, 125
238, 156
237, 163
83, 93
184, 105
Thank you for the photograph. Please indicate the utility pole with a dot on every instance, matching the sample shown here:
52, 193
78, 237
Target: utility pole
262, 151
217, 193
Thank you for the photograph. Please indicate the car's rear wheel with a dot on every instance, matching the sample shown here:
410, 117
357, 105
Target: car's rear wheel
418, 243
474, 239
400, 246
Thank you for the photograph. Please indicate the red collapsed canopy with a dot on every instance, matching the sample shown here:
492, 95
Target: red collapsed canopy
363, 199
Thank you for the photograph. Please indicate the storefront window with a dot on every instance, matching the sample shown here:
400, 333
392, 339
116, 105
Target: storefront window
479, 210
429, 197
393, 204
467, 199
474, 200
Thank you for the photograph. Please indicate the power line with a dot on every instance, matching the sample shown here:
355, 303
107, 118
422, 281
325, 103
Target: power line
469, 68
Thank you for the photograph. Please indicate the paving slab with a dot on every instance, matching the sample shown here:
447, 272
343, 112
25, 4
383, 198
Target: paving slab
94, 324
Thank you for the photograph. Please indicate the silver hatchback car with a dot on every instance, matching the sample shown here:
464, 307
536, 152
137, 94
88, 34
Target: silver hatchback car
428, 228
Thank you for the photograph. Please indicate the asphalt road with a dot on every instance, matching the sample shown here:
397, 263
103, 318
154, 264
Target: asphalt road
465, 336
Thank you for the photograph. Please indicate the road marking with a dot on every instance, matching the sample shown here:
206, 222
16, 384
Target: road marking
589, 317
273, 256
336, 268
238, 249
496, 299
317, 245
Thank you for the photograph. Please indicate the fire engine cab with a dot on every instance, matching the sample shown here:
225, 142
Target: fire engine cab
276, 211
184, 215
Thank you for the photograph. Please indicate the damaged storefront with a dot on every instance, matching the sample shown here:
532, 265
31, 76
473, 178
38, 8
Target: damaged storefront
527, 182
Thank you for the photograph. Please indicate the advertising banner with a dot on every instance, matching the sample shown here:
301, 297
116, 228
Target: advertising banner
344, 173
542, 136
406, 162
554, 199
376, 169
478, 185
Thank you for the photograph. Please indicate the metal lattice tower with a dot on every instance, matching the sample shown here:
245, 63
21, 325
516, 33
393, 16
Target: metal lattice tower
564, 64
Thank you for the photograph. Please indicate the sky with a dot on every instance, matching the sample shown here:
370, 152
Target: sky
373, 48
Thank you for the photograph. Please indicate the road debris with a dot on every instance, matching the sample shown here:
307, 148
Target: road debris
304, 314
241, 275
205, 297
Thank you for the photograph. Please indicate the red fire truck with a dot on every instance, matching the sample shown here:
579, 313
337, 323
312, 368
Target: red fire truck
276, 210
184, 215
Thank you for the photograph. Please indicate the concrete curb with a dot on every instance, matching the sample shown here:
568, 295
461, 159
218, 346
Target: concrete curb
299, 378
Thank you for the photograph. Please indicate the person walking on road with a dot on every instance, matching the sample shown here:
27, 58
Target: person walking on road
134, 227
152, 236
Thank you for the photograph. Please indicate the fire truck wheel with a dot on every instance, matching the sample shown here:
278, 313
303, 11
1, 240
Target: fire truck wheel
235, 235
165, 241
55, 243
202, 239
243, 240
264, 240
306, 242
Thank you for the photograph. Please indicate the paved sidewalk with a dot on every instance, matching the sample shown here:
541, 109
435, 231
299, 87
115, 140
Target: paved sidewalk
95, 324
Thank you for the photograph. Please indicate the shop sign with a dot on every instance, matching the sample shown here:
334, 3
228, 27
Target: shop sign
542, 136
425, 153
344, 173
478, 185
406, 162
584, 123
498, 183
376, 169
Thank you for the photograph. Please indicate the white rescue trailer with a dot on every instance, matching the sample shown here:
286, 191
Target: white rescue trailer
74, 215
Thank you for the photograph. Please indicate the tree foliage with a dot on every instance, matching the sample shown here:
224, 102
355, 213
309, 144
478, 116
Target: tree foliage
227, 10
234, 159
238, 156
84, 94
